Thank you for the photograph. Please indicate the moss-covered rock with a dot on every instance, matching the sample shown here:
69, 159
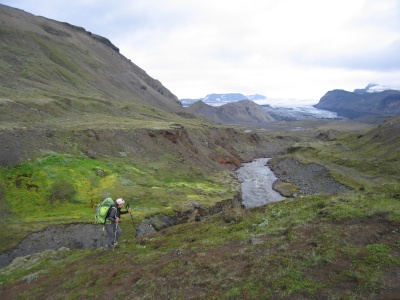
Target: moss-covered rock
286, 189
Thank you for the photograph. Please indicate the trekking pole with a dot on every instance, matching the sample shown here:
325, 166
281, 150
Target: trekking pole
130, 213
115, 235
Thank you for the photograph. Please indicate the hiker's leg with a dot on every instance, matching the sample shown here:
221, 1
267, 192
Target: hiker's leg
119, 232
110, 234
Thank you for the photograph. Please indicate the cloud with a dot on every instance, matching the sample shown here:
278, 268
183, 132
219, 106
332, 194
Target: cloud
377, 58
369, 40
384, 59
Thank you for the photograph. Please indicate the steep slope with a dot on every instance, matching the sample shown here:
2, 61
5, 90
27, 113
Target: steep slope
49, 68
243, 112
358, 104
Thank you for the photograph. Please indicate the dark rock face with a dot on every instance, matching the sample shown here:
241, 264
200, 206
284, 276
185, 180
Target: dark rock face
154, 224
73, 236
359, 104
194, 214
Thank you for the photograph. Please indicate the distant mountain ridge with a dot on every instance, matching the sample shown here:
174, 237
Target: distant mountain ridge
219, 99
244, 112
361, 102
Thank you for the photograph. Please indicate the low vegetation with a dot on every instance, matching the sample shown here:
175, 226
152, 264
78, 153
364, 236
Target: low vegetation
331, 247
356, 159
320, 246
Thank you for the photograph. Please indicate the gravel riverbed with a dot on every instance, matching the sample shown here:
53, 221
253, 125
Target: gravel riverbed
309, 178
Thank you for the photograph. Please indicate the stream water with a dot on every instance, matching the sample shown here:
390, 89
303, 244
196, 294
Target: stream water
256, 183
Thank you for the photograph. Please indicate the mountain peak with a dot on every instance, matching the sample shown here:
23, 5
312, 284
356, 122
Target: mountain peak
244, 112
376, 87
219, 99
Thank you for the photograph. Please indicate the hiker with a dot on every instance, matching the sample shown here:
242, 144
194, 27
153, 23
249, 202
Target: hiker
112, 220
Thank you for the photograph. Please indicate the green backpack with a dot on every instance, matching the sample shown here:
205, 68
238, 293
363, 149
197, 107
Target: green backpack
102, 210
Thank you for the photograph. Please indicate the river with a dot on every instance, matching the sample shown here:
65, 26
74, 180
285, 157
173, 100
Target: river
256, 183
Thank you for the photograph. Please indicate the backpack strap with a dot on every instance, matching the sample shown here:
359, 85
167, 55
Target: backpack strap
108, 213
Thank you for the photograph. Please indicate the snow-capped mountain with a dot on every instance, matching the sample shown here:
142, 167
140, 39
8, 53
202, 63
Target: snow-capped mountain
256, 97
374, 100
299, 109
376, 88
280, 109
220, 99
224, 98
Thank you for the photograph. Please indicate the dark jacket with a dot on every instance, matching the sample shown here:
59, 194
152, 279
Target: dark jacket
113, 213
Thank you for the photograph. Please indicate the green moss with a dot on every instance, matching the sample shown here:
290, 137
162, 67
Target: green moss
63, 188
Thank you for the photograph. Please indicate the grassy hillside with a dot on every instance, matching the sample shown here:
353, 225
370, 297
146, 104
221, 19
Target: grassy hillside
340, 247
50, 69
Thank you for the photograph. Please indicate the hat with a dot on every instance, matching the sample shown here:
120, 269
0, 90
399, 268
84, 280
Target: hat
120, 201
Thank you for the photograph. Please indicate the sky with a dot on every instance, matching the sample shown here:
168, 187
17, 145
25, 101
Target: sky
289, 49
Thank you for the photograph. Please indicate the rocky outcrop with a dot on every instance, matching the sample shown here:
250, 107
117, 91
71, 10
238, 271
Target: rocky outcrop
196, 213
243, 112
360, 103
72, 236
